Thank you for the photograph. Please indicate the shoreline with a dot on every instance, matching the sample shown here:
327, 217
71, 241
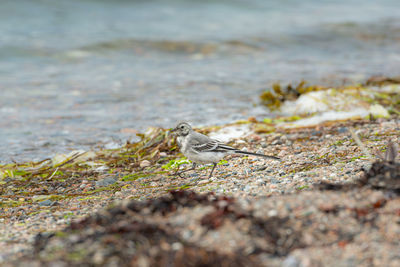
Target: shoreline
310, 156
358, 225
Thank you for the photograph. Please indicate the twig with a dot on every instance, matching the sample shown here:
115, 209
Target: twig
53, 174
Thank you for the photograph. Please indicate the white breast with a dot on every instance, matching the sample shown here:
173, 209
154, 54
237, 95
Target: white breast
206, 157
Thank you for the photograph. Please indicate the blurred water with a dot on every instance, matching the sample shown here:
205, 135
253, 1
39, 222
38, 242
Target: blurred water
74, 73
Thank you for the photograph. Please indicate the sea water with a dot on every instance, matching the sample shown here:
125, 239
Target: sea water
78, 73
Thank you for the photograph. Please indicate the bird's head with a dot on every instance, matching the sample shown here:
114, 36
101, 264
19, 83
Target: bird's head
182, 129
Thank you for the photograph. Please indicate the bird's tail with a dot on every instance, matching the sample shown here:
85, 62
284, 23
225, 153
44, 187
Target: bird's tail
256, 154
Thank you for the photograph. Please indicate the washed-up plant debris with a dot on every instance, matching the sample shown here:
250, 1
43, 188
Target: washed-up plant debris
318, 104
383, 80
261, 213
375, 94
274, 97
122, 235
155, 233
55, 177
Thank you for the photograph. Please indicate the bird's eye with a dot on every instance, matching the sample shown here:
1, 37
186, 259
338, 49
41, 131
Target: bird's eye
182, 127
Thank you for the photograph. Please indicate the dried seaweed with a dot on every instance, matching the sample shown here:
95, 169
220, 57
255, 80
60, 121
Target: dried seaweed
25, 180
116, 230
383, 80
274, 98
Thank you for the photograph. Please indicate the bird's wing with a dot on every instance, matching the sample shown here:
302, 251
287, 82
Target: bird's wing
211, 145
202, 143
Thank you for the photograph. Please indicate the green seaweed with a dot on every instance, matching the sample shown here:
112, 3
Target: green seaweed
175, 163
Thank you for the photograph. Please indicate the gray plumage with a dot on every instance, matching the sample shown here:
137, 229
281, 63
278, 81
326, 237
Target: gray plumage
202, 149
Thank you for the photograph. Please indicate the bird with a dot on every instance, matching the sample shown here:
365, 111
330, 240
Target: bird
201, 149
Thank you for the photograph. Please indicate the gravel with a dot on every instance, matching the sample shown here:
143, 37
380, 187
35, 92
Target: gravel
346, 227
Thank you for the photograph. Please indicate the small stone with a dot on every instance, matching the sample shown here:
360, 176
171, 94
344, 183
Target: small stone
46, 202
247, 188
291, 261
261, 181
272, 213
177, 246
316, 132
145, 163
105, 182
203, 182
255, 137
276, 142
246, 171
282, 153
163, 154
274, 181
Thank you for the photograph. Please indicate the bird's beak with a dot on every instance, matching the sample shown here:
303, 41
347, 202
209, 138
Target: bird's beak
173, 130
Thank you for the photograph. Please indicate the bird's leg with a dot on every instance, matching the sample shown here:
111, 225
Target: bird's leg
215, 165
191, 169
177, 170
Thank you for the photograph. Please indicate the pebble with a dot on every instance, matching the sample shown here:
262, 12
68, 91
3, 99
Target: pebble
276, 142
145, 163
203, 182
282, 154
247, 188
274, 181
291, 261
46, 202
269, 184
272, 213
316, 132
261, 181
247, 171
105, 182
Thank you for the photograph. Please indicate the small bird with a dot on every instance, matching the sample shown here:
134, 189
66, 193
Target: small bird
202, 149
